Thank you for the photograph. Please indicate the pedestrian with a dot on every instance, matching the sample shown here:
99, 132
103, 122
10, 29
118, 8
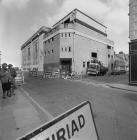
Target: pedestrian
5, 79
13, 74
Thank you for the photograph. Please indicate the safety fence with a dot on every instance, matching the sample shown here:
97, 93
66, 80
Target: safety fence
51, 75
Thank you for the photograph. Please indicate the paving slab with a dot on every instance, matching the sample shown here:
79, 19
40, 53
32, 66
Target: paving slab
18, 116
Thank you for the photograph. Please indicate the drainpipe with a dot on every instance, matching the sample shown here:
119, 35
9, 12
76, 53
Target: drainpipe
73, 60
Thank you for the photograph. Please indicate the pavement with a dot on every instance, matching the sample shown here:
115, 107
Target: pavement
19, 115
123, 87
120, 86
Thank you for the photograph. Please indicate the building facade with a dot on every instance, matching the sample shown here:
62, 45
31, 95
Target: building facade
32, 51
133, 42
69, 45
74, 41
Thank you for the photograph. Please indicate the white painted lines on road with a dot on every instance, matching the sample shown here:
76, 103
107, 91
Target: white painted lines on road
50, 117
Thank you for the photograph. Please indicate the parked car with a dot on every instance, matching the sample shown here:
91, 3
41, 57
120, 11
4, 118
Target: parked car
19, 79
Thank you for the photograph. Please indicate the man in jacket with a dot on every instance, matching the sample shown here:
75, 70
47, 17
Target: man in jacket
5, 78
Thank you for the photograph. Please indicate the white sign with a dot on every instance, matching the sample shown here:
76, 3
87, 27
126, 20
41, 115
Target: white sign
76, 124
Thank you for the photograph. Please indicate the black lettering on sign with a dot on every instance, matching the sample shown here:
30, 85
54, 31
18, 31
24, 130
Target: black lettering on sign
53, 137
61, 134
74, 127
81, 121
69, 130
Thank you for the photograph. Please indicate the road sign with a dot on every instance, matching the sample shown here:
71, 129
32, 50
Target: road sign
75, 124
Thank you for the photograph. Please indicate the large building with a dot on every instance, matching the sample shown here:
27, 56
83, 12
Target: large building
32, 57
71, 43
133, 42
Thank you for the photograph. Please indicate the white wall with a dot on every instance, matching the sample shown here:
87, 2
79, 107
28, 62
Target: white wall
82, 52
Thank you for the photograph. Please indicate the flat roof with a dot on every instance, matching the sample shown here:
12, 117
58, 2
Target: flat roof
81, 13
43, 29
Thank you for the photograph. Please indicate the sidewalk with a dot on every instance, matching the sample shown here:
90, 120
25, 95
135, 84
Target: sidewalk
123, 87
18, 116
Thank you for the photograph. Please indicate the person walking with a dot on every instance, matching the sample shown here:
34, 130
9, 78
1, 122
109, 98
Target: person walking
5, 79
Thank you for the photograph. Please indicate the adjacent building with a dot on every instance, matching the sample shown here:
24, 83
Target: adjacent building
133, 42
69, 45
32, 57
121, 62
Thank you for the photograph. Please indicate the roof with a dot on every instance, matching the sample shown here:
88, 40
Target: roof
43, 29
74, 11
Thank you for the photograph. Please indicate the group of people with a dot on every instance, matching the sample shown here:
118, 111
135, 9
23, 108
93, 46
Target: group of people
7, 78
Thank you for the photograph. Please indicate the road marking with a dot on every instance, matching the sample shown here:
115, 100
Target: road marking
50, 117
75, 124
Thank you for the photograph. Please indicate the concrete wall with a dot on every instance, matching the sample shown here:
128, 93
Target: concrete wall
89, 32
132, 19
33, 61
83, 49
52, 52
41, 54
66, 43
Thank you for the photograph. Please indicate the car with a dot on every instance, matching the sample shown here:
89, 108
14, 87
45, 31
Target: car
19, 79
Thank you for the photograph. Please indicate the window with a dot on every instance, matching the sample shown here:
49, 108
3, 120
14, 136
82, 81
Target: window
52, 39
45, 53
65, 25
52, 51
62, 35
65, 49
108, 55
48, 52
65, 35
84, 64
69, 34
62, 49
69, 49
93, 54
109, 47
49, 40
29, 53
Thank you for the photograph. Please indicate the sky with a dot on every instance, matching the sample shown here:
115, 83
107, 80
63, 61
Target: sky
20, 19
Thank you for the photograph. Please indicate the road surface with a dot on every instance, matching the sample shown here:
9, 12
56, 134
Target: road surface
115, 111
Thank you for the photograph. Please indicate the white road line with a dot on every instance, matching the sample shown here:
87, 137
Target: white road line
50, 117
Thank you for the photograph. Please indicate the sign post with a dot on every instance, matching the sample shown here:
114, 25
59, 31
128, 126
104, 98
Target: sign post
75, 124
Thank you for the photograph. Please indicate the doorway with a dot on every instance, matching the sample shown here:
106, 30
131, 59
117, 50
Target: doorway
66, 64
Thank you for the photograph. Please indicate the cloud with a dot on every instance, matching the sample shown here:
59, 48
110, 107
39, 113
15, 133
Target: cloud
94, 8
117, 20
49, 1
14, 3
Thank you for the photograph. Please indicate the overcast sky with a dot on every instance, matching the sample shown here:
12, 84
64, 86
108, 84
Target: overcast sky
19, 19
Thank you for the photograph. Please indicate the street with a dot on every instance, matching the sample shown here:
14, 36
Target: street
115, 111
